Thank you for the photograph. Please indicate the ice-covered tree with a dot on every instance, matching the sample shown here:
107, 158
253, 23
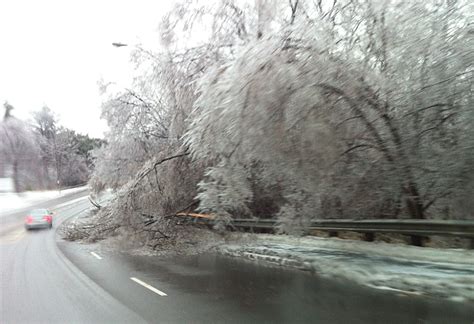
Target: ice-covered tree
17, 148
297, 110
352, 109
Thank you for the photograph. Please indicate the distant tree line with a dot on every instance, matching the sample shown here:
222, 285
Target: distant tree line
298, 110
41, 154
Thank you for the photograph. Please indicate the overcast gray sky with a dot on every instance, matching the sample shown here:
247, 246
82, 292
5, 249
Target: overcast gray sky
54, 52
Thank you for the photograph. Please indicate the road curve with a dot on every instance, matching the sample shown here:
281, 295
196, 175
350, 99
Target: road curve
46, 280
40, 285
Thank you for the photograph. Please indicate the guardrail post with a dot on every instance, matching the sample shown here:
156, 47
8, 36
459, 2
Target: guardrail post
332, 234
369, 237
416, 240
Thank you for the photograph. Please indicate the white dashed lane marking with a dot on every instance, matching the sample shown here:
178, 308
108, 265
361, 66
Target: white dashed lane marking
144, 284
96, 255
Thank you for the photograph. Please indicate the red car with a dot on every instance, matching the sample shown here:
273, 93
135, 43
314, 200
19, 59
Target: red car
39, 218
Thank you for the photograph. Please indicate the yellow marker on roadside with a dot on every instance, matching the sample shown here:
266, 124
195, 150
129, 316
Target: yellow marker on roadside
13, 236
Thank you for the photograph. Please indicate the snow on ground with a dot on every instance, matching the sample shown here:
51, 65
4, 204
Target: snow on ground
12, 201
445, 273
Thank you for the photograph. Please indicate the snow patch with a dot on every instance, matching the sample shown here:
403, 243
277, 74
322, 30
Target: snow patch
399, 268
13, 201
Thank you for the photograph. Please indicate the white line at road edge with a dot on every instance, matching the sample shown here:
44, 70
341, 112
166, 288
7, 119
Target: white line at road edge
96, 255
144, 284
416, 293
70, 202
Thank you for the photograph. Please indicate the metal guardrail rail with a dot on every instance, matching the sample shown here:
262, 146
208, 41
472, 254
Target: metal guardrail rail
414, 228
409, 227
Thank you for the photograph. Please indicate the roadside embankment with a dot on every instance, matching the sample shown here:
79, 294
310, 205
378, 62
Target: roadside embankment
445, 273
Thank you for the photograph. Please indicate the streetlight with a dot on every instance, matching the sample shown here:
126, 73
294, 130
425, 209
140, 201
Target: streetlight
137, 47
119, 44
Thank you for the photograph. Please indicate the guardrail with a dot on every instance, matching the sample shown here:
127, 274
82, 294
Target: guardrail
416, 229
72, 187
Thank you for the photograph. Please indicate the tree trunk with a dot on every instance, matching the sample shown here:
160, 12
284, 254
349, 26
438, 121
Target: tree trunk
415, 209
46, 183
16, 180
413, 201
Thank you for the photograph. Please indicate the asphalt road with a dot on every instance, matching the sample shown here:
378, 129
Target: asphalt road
15, 218
47, 280
40, 285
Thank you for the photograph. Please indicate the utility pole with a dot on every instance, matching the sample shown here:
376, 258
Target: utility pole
58, 166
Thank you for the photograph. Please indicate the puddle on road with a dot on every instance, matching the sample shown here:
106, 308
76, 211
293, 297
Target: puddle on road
279, 295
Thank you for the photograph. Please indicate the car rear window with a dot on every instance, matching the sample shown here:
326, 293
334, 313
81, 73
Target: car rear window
38, 213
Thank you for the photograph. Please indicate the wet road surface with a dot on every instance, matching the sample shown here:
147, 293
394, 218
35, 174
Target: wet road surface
44, 279
39, 285
216, 289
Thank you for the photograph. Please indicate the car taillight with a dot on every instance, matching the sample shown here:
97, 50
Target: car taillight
29, 219
47, 218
